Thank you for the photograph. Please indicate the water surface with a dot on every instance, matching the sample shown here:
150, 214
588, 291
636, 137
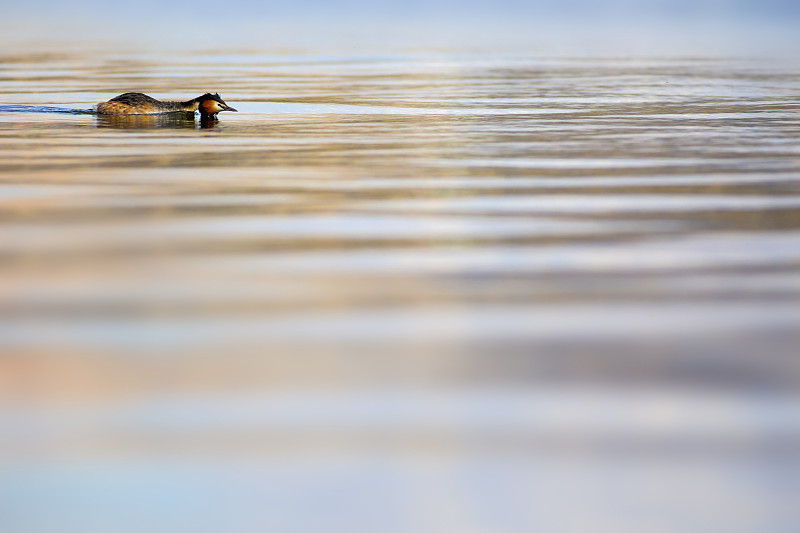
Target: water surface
406, 291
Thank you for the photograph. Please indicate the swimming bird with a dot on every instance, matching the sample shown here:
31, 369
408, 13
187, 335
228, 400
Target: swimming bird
141, 104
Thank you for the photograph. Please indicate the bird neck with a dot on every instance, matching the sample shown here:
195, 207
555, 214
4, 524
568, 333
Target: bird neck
190, 105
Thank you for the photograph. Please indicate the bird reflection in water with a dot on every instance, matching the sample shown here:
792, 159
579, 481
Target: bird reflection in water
166, 120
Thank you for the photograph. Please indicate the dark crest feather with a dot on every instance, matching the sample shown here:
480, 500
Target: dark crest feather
209, 96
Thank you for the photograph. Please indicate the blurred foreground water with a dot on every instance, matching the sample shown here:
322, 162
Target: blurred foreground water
431, 292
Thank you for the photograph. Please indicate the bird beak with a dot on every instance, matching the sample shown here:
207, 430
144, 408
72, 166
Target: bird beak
228, 108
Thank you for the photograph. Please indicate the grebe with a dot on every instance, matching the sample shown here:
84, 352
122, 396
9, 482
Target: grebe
141, 104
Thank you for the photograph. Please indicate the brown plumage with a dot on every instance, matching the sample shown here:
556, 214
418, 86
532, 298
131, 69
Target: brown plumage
141, 104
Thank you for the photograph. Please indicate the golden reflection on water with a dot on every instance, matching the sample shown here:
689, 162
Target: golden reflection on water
394, 265
344, 165
170, 120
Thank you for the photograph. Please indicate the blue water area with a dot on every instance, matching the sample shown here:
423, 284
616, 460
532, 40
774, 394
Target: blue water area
19, 108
